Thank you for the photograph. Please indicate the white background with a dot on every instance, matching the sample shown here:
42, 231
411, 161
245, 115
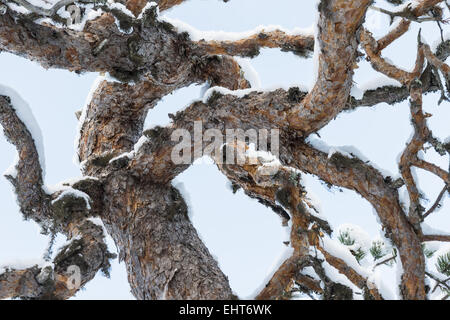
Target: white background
245, 236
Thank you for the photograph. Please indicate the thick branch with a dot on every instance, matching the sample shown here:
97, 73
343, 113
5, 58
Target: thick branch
339, 21
369, 183
136, 6
356, 278
67, 214
405, 23
165, 258
84, 257
437, 203
55, 47
249, 47
436, 237
33, 201
409, 155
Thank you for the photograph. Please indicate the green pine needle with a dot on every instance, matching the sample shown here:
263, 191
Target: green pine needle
345, 238
376, 250
443, 264
358, 254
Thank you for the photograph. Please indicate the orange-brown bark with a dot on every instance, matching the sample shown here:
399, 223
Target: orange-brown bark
339, 22
146, 216
249, 47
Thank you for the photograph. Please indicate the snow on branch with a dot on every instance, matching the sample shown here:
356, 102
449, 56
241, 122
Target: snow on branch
48, 12
328, 98
27, 177
348, 173
75, 264
284, 189
67, 213
247, 44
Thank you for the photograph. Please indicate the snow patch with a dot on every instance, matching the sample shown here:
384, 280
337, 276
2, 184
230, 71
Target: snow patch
76, 193
348, 151
82, 119
25, 114
250, 72
243, 92
342, 252
197, 35
358, 91
22, 264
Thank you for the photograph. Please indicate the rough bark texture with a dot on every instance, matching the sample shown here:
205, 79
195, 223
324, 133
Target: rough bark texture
66, 214
130, 185
165, 257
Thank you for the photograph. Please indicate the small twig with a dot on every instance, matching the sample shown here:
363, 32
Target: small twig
438, 281
436, 203
393, 257
405, 13
441, 66
441, 30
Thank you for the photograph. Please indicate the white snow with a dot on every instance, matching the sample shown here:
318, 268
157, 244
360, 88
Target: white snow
436, 43
284, 255
361, 237
335, 275
121, 7
431, 267
94, 87
399, 274
25, 114
334, 150
135, 150
185, 194
379, 279
76, 193
317, 47
250, 72
148, 6
97, 221
265, 157
140, 143
129, 31
225, 91
404, 197
47, 4
243, 92
65, 187
18, 8
349, 151
91, 14
314, 201
21, 264
309, 271
428, 230
12, 169
50, 189
197, 35
342, 252
358, 91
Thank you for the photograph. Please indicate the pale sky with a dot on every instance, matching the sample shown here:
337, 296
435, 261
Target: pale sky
243, 235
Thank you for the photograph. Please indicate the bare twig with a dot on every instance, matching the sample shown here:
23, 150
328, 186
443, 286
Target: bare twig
249, 47
436, 203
